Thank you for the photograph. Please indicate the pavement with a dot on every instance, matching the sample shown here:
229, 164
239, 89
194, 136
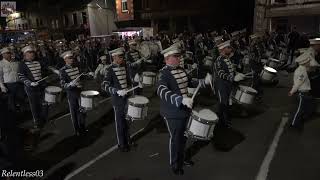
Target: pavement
269, 151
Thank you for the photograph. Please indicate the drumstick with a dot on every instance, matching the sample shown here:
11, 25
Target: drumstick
196, 91
248, 74
78, 77
132, 89
42, 79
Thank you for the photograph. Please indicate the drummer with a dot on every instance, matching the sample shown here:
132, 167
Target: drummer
116, 81
30, 73
70, 81
175, 106
225, 77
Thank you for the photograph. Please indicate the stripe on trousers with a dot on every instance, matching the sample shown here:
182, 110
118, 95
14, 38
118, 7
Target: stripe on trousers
299, 107
71, 116
116, 122
170, 140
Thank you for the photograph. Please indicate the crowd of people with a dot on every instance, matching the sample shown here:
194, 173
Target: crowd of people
220, 60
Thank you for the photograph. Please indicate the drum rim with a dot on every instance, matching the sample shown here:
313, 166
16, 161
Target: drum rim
142, 105
86, 95
46, 90
201, 120
246, 91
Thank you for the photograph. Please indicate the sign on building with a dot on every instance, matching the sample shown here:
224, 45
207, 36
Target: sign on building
7, 8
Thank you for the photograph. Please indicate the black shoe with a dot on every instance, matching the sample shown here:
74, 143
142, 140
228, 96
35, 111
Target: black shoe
188, 163
178, 171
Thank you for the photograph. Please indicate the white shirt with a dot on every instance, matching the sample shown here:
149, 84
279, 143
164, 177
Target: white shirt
301, 80
101, 70
8, 71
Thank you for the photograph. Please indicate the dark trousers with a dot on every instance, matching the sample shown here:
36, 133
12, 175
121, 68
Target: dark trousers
223, 94
15, 95
256, 82
39, 108
122, 127
304, 110
78, 115
177, 141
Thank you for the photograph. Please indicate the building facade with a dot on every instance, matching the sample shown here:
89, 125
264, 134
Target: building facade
94, 18
284, 14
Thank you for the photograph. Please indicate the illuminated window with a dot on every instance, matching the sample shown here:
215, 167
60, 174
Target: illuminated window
124, 5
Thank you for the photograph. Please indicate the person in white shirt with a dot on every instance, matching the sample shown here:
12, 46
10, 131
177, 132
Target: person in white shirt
101, 69
9, 80
301, 86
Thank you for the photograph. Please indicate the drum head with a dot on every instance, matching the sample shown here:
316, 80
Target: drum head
248, 89
139, 100
89, 93
206, 114
269, 69
53, 89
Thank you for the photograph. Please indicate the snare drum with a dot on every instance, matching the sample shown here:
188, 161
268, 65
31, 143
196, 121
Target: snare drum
89, 99
149, 78
201, 124
137, 108
245, 95
52, 94
268, 74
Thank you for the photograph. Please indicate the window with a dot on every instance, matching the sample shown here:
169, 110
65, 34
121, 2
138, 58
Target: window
66, 20
124, 5
41, 23
278, 1
75, 19
84, 18
19, 25
23, 26
53, 24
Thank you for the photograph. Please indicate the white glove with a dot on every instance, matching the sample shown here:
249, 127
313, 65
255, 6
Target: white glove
187, 102
239, 77
208, 79
122, 93
91, 74
4, 89
34, 84
194, 66
137, 78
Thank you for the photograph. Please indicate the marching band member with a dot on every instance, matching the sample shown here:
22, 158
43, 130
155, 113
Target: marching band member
116, 81
175, 106
9, 79
302, 86
255, 64
225, 77
30, 72
70, 81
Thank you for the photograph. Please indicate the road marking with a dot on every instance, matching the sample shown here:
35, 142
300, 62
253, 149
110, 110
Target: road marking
264, 168
88, 164
68, 114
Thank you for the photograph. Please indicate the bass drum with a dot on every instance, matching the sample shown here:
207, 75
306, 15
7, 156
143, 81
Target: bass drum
149, 49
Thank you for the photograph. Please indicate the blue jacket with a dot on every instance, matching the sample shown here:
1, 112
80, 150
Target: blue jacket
172, 87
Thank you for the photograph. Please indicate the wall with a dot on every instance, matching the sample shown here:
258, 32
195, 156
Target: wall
125, 16
101, 21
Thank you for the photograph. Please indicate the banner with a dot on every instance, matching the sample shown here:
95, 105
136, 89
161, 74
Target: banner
7, 8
